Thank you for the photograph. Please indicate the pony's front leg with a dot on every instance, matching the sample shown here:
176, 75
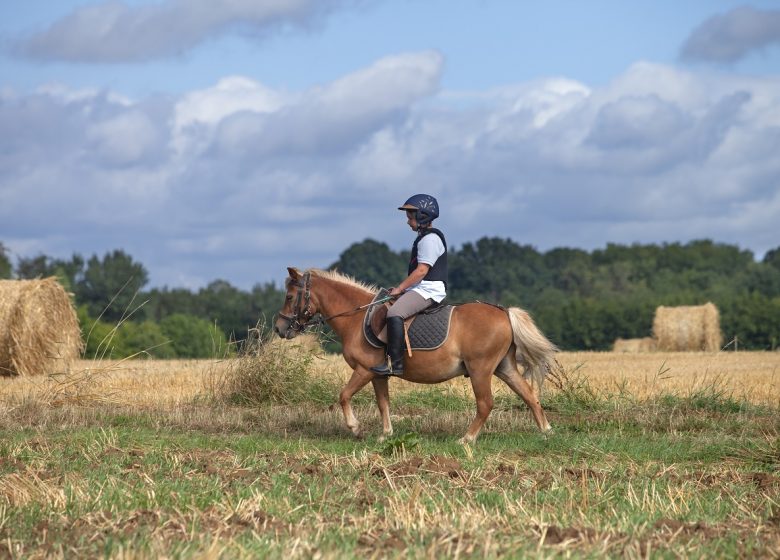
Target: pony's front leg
382, 392
360, 377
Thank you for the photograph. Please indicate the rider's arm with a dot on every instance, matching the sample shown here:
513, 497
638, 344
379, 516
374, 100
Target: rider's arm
415, 277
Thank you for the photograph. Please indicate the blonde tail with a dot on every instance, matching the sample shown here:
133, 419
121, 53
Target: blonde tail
533, 351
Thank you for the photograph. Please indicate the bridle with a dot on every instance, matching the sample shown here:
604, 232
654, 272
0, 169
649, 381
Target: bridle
302, 315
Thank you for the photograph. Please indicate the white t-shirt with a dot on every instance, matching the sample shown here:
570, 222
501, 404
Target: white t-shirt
429, 249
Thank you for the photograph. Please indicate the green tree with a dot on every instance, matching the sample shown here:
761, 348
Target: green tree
122, 340
229, 307
372, 262
772, 258
192, 337
110, 285
762, 279
68, 272
97, 335
570, 270
163, 302
5, 262
753, 319
499, 271
144, 339
266, 301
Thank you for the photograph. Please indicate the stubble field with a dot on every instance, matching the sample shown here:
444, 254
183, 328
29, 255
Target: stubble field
653, 455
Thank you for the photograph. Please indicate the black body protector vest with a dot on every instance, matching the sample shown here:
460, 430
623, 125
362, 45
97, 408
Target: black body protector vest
439, 269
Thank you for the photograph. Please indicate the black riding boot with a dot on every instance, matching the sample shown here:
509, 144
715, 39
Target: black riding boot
395, 349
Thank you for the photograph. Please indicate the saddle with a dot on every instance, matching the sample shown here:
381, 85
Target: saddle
426, 330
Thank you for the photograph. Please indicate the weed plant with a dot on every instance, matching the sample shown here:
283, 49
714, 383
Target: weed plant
271, 371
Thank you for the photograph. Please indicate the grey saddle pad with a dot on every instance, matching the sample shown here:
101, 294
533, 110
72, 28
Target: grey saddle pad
427, 331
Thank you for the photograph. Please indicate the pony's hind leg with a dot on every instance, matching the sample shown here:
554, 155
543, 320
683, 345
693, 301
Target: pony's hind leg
507, 372
483, 393
360, 377
382, 392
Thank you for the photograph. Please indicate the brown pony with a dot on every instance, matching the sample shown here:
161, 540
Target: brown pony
483, 340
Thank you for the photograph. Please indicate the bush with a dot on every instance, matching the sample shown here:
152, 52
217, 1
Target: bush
96, 335
193, 337
142, 339
106, 341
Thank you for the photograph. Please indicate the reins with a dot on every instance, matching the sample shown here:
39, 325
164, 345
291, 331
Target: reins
349, 311
303, 319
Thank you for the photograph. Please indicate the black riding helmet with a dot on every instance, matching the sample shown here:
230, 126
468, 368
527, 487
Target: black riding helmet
425, 206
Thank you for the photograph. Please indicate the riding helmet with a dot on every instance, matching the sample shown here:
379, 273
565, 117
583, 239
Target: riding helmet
426, 207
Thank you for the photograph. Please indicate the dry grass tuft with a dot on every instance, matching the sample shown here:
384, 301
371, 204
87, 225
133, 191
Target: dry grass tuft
39, 330
688, 328
273, 370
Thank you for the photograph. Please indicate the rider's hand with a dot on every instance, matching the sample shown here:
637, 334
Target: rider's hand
395, 292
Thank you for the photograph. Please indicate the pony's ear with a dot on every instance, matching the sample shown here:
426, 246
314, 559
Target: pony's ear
294, 273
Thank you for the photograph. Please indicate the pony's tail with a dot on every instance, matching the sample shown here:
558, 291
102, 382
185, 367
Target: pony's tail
533, 351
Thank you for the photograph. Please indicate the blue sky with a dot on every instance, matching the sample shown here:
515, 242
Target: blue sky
231, 139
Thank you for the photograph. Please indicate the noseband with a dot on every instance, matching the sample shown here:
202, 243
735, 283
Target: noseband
302, 314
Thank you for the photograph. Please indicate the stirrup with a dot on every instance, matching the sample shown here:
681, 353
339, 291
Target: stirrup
386, 369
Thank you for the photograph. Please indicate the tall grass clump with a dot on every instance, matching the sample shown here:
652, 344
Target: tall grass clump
269, 370
573, 390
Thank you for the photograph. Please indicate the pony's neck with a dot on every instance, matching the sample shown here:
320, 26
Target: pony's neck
334, 297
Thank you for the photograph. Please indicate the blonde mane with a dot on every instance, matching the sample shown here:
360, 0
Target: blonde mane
342, 278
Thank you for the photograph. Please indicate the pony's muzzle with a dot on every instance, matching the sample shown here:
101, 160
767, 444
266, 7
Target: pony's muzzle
283, 328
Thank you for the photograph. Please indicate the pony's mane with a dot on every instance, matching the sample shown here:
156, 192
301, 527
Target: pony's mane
342, 278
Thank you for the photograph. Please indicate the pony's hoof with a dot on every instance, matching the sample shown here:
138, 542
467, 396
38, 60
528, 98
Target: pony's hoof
383, 437
466, 440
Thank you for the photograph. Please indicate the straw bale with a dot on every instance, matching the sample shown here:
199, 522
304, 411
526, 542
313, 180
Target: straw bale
39, 330
634, 345
688, 328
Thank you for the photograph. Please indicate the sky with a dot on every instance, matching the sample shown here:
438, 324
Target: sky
230, 139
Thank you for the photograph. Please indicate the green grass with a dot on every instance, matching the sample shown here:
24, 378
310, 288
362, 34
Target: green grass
668, 477
263, 467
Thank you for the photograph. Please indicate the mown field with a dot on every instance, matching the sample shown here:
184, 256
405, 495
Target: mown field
653, 455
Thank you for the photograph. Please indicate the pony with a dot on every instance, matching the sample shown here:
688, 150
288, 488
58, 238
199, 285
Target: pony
484, 340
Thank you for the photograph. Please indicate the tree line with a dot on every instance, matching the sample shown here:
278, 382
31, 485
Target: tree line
582, 300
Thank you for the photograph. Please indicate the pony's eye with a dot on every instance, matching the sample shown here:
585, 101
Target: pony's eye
288, 298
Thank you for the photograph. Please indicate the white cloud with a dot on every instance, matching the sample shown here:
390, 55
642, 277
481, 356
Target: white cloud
111, 31
124, 139
334, 117
637, 122
207, 108
239, 181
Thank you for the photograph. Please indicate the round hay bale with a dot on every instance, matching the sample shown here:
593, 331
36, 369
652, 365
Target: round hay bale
39, 330
634, 345
688, 328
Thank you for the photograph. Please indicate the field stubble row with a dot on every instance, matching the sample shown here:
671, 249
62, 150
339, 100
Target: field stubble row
750, 376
